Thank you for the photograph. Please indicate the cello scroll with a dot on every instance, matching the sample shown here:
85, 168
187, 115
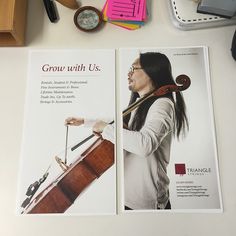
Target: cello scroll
183, 81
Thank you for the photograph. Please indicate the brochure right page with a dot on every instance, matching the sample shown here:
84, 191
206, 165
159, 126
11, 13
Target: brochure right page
168, 138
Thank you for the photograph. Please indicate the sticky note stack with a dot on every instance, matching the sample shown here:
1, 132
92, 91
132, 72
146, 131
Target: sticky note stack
129, 14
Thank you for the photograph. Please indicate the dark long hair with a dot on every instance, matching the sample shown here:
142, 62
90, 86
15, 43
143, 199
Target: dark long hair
157, 66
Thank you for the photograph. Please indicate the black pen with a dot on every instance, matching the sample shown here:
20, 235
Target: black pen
51, 10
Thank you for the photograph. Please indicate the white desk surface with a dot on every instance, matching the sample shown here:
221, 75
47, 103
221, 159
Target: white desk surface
158, 32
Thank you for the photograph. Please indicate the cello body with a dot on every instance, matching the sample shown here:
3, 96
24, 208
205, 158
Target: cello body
59, 195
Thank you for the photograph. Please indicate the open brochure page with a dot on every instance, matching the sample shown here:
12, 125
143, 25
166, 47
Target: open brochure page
169, 144
65, 168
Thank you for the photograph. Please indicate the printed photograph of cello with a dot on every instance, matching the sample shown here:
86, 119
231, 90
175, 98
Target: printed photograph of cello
63, 191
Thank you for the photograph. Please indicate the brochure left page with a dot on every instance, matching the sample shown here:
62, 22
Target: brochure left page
66, 168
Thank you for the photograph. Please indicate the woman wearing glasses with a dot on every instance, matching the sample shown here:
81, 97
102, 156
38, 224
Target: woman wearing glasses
147, 141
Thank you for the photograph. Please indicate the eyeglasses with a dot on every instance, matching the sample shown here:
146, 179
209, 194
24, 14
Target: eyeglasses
132, 69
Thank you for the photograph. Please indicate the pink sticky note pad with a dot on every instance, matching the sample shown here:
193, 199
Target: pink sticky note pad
131, 10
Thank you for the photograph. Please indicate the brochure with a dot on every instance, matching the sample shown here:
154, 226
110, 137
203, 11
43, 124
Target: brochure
72, 143
57, 175
192, 176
